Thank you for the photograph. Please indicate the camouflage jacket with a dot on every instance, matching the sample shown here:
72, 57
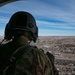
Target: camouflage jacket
32, 62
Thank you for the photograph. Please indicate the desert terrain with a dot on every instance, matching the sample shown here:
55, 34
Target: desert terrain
63, 48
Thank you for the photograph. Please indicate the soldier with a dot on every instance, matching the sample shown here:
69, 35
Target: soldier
23, 58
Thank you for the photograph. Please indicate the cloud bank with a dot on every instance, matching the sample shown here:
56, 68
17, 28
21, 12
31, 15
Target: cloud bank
52, 17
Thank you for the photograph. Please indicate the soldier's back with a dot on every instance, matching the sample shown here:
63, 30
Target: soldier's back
34, 62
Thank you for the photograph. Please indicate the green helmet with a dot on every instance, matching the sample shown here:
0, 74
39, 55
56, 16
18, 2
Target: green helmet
21, 23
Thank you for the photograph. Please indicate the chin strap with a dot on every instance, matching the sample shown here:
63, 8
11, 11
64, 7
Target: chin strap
2, 41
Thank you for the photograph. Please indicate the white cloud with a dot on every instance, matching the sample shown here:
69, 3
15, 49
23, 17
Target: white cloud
42, 9
1, 32
64, 10
55, 25
3, 19
55, 33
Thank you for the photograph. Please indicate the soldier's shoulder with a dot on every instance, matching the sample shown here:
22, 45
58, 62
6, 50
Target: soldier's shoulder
39, 52
36, 49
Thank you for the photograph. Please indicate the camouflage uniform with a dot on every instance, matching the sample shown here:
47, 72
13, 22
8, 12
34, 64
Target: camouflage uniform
32, 62
52, 59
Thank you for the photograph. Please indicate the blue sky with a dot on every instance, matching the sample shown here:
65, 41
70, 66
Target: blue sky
53, 17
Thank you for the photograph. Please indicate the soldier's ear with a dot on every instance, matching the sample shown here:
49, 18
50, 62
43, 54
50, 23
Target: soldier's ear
8, 32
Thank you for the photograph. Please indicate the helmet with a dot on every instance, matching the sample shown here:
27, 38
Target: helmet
20, 23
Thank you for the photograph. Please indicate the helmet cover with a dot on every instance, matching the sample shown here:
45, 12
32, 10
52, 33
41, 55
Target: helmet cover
21, 22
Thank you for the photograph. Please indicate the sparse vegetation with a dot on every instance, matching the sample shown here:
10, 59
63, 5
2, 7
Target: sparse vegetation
63, 48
